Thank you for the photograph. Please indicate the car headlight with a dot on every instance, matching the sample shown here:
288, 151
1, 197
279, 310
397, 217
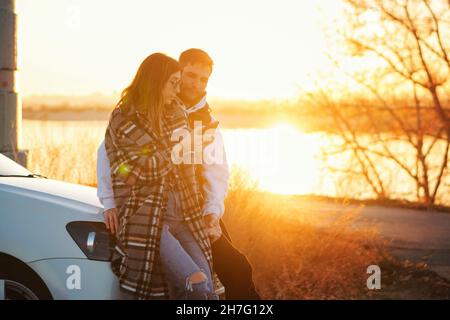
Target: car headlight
96, 242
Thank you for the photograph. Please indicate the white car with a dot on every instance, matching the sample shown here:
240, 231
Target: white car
53, 242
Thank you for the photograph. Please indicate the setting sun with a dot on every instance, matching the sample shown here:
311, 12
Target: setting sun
281, 158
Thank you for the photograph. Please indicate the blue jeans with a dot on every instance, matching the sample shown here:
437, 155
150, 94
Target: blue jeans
181, 256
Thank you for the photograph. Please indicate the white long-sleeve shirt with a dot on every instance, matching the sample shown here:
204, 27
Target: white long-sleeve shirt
215, 174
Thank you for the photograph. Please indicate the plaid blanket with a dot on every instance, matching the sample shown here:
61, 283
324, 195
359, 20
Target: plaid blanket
141, 171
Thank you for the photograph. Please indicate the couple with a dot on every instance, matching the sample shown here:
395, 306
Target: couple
167, 215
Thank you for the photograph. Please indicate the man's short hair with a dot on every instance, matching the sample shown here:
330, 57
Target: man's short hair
195, 56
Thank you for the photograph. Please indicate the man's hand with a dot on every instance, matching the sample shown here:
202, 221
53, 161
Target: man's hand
212, 226
111, 219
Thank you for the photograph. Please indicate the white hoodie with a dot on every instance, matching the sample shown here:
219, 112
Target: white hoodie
216, 175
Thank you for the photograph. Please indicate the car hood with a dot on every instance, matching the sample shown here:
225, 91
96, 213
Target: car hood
66, 194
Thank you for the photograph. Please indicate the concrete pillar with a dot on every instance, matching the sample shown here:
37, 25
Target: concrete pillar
10, 100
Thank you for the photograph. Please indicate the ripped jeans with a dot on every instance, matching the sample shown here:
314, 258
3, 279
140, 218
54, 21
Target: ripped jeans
181, 256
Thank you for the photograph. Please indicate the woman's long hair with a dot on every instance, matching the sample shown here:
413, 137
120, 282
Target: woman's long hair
145, 91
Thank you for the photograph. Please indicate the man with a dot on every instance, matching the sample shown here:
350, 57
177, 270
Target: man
231, 266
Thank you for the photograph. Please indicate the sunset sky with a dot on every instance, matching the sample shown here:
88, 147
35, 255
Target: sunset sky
262, 49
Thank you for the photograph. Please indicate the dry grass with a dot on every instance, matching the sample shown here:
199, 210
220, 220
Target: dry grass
68, 152
297, 258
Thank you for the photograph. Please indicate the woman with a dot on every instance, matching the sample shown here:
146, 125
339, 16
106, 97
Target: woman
163, 249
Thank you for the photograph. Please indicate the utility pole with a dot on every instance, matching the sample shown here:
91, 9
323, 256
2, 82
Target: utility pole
10, 100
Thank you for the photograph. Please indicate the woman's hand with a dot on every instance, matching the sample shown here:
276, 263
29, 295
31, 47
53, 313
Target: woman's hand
212, 227
111, 220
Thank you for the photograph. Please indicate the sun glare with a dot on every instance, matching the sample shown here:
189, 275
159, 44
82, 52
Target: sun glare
282, 159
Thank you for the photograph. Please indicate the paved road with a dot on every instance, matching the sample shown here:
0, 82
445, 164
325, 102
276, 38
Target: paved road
411, 234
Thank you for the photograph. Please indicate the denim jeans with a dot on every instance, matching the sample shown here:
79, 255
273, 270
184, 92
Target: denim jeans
181, 256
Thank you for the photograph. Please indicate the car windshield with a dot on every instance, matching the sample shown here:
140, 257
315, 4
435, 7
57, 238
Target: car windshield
10, 168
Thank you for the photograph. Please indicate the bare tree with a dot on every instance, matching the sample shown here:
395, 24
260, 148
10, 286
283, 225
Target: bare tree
409, 40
